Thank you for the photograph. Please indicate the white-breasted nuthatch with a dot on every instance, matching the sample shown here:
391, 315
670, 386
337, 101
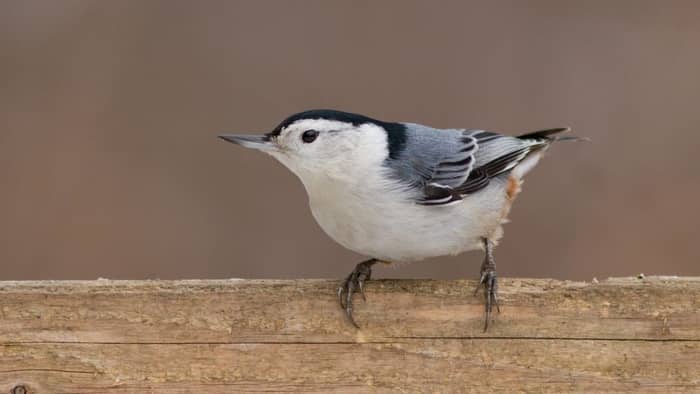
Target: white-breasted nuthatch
402, 192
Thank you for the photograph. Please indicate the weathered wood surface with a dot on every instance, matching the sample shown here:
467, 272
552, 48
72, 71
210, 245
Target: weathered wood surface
416, 336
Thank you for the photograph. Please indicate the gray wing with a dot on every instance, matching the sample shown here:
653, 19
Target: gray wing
445, 165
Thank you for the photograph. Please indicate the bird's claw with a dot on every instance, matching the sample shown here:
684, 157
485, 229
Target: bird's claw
490, 283
356, 279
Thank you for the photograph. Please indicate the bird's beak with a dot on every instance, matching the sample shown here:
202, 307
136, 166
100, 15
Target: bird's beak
259, 142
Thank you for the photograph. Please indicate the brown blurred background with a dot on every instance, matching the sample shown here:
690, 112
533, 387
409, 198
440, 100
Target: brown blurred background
110, 165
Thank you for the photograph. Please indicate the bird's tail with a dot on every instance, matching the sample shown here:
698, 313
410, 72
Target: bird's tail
550, 135
541, 140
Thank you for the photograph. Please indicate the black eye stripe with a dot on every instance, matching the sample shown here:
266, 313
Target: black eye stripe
309, 136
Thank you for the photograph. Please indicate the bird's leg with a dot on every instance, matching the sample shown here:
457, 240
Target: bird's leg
356, 279
488, 279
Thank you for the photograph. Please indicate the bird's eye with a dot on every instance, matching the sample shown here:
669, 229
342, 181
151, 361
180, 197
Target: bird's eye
309, 136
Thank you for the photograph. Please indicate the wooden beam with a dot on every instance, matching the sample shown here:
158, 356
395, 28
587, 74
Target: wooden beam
417, 335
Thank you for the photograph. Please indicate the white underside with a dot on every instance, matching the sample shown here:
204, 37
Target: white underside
387, 228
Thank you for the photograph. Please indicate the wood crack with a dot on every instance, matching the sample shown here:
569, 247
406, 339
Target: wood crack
364, 341
51, 370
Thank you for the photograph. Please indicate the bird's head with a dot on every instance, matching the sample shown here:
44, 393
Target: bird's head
327, 142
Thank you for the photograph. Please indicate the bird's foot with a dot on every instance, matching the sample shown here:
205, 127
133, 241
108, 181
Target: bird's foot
356, 280
490, 283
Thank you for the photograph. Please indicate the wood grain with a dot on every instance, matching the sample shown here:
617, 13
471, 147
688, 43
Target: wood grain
622, 334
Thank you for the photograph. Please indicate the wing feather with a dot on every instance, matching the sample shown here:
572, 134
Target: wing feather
480, 157
455, 168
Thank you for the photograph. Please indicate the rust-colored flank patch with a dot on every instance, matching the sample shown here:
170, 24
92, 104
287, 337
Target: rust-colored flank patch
513, 188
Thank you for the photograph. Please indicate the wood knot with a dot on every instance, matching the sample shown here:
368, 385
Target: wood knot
19, 389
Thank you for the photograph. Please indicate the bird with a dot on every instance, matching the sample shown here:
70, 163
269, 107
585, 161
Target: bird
401, 192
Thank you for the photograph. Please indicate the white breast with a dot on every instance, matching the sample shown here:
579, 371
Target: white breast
384, 224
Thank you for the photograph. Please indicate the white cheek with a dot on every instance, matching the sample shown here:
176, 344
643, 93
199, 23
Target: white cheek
290, 141
345, 154
353, 156
373, 144
293, 155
